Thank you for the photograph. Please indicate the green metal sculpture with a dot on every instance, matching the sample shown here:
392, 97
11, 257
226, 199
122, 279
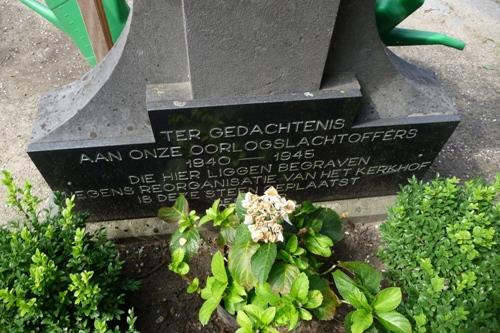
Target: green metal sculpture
390, 13
66, 15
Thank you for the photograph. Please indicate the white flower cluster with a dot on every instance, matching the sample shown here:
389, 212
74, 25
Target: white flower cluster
264, 214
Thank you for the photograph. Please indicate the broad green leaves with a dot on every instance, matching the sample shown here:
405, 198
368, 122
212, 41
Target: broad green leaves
207, 309
300, 288
332, 224
215, 288
282, 276
175, 213
234, 298
218, 218
266, 285
218, 268
320, 220
263, 260
314, 299
254, 318
188, 240
239, 210
364, 275
194, 286
349, 291
240, 258
394, 322
177, 264
387, 300
318, 244
330, 301
381, 307
264, 295
361, 321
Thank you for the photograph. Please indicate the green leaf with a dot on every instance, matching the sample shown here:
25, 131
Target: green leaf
234, 297
282, 276
437, 284
193, 286
207, 309
240, 211
361, 321
191, 240
332, 224
178, 256
268, 316
240, 258
254, 311
264, 292
305, 315
366, 275
213, 294
315, 225
292, 244
348, 322
294, 318
244, 321
182, 269
211, 214
300, 288
181, 204
387, 300
242, 234
349, 291
169, 214
314, 299
226, 236
319, 244
263, 260
330, 302
218, 267
244, 330
213, 289
205, 219
394, 322
420, 319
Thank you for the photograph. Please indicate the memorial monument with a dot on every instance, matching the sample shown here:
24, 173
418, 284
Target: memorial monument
212, 98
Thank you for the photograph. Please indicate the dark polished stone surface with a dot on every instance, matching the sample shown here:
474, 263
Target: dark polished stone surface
306, 145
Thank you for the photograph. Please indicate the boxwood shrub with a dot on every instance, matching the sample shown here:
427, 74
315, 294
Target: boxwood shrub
55, 277
441, 244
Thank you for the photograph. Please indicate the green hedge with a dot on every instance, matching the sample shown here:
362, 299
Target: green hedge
55, 277
441, 245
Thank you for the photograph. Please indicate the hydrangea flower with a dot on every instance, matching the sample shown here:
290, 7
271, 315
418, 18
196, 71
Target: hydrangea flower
265, 213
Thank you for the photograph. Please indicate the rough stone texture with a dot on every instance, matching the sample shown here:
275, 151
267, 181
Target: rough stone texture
109, 101
257, 47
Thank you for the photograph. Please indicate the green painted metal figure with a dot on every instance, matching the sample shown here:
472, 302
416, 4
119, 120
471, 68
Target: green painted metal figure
66, 15
390, 13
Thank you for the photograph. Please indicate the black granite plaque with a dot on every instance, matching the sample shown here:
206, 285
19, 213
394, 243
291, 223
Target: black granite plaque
307, 145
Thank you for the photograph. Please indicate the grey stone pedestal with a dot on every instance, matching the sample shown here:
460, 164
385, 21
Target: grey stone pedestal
213, 97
